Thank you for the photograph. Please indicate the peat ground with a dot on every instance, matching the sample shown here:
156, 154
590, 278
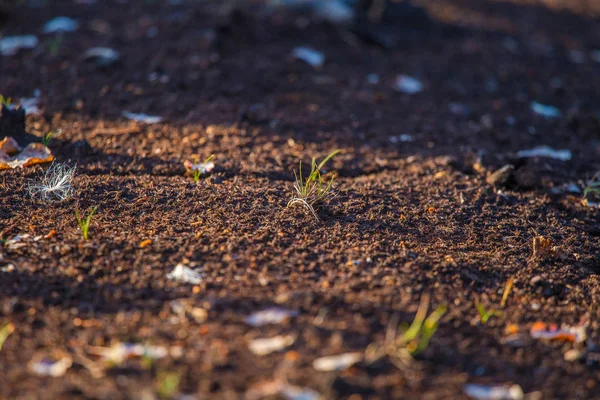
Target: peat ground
414, 213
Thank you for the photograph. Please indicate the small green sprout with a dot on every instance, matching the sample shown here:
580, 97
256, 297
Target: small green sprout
55, 44
199, 170
5, 101
592, 187
422, 329
49, 136
312, 191
84, 223
485, 315
167, 384
5, 332
400, 349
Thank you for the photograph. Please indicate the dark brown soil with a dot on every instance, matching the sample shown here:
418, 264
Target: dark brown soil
410, 217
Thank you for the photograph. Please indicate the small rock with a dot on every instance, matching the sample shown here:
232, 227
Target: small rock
12, 124
536, 280
81, 148
574, 354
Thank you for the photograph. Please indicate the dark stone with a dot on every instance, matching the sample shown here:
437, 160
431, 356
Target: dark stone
81, 148
12, 123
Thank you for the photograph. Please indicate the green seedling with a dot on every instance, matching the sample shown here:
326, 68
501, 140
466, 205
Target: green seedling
414, 339
49, 136
198, 172
5, 101
167, 384
84, 223
55, 44
5, 332
485, 315
312, 190
423, 327
592, 187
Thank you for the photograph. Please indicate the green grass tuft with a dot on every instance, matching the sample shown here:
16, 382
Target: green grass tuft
312, 191
84, 223
49, 136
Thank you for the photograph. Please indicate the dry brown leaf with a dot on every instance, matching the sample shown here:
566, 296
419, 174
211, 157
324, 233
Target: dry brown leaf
542, 247
13, 156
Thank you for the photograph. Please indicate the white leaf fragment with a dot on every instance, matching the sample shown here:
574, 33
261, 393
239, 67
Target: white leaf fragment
30, 105
337, 363
262, 347
103, 55
546, 151
298, 393
203, 168
120, 352
148, 119
61, 24
334, 11
44, 366
545, 110
280, 387
17, 241
484, 392
309, 56
9, 45
181, 273
273, 315
408, 84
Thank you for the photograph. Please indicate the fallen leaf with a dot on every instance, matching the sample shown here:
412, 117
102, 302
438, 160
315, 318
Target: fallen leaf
575, 334
13, 156
542, 247
145, 243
